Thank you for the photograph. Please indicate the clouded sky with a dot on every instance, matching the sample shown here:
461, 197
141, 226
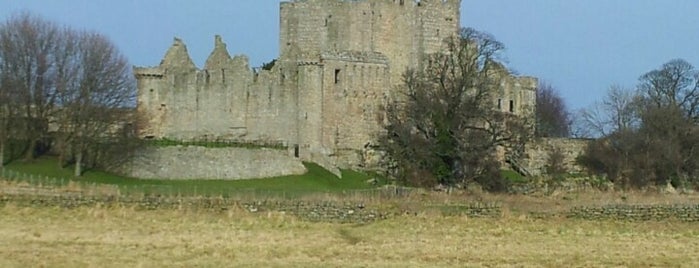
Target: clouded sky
581, 47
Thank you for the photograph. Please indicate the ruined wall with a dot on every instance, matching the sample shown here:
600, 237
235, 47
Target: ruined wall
179, 101
537, 153
193, 162
225, 100
515, 94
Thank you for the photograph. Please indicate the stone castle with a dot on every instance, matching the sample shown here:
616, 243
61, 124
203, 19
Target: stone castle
339, 62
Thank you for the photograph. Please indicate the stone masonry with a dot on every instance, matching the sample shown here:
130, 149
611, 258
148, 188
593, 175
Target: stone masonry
537, 154
193, 162
339, 62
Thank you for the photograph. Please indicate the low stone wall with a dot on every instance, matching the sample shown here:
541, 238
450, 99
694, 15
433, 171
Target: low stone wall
581, 184
637, 212
195, 162
316, 211
350, 212
537, 153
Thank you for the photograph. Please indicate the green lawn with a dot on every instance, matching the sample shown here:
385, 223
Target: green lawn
512, 176
45, 170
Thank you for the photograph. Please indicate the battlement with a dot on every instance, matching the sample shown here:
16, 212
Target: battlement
356, 56
148, 72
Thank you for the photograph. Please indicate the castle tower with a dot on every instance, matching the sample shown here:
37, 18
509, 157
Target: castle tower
403, 30
346, 56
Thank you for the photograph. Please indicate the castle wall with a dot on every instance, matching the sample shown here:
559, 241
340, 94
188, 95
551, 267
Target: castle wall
271, 109
355, 88
148, 104
515, 94
538, 153
401, 30
221, 100
339, 63
310, 112
226, 100
193, 162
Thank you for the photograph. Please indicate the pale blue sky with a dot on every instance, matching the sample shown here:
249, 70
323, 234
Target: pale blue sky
579, 46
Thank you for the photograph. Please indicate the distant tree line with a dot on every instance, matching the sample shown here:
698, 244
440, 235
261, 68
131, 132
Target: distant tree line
648, 135
62, 90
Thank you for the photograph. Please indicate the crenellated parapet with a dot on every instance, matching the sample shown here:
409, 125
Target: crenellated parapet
356, 56
148, 72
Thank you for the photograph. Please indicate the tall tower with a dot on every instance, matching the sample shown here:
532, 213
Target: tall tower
402, 30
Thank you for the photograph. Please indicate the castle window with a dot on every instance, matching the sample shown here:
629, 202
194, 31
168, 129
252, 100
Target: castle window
512, 106
499, 104
337, 76
296, 150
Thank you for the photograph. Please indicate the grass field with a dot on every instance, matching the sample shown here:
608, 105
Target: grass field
317, 179
121, 235
124, 237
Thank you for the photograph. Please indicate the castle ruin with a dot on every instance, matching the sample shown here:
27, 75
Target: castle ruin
339, 62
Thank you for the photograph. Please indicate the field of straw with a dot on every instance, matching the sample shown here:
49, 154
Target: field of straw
119, 236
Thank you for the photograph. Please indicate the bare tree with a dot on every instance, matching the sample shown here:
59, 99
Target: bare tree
96, 96
5, 109
445, 128
675, 84
27, 44
618, 111
649, 136
58, 77
552, 116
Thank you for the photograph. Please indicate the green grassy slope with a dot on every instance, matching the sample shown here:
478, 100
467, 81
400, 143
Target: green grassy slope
46, 170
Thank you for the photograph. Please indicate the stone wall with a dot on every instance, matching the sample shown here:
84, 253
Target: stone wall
194, 162
225, 100
538, 152
637, 212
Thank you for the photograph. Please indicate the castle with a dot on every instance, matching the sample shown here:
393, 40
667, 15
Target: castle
339, 62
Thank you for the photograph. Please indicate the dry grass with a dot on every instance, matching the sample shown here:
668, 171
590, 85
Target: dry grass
124, 237
72, 188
